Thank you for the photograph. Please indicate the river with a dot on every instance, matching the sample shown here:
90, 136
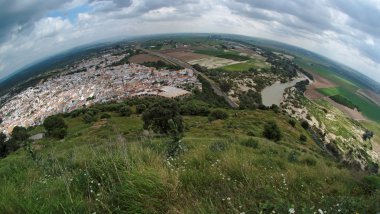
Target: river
274, 94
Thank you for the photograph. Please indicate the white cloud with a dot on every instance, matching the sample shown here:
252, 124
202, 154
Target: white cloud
51, 26
326, 27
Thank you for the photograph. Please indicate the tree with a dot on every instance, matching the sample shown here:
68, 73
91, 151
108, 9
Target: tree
140, 108
250, 100
157, 117
225, 86
305, 125
272, 131
55, 127
19, 133
175, 144
1, 120
88, 118
303, 138
217, 114
3, 146
125, 111
368, 135
194, 107
292, 122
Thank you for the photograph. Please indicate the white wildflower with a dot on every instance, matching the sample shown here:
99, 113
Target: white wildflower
292, 211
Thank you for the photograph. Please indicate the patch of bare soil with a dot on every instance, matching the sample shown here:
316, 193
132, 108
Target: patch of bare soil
99, 124
319, 82
141, 58
312, 94
184, 54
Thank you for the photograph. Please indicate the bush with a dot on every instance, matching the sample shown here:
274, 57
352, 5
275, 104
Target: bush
333, 149
252, 143
225, 86
250, 100
292, 122
303, 138
217, 114
140, 108
275, 108
195, 107
19, 133
305, 125
272, 131
105, 116
125, 111
159, 115
88, 118
55, 127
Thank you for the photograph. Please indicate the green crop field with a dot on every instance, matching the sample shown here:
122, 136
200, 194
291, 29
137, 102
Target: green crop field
346, 88
366, 106
329, 91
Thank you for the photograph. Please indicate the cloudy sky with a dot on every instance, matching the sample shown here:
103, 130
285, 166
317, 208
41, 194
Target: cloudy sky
347, 31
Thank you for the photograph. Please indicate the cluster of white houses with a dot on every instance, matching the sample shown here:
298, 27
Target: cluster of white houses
89, 82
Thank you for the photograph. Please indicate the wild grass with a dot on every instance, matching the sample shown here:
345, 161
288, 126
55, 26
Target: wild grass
113, 168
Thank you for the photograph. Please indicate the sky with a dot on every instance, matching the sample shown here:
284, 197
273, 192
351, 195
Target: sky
347, 31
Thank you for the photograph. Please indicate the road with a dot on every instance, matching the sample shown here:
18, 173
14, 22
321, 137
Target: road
183, 64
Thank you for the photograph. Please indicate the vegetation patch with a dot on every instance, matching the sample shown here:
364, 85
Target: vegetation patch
344, 101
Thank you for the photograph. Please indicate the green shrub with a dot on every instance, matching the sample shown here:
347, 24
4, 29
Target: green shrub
303, 138
125, 111
305, 125
217, 114
292, 122
195, 107
105, 116
159, 115
19, 133
272, 131
252, 143
88, 118
250, 100
140, 108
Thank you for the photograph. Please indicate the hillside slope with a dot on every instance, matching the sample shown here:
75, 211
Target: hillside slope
112, 165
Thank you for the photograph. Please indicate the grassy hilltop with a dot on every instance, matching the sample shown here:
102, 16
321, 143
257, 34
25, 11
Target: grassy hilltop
226, 166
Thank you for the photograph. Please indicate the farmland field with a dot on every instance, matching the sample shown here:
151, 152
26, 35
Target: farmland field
345, 88
366, 106
222, 54
329, 91
213, 62
246, 66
